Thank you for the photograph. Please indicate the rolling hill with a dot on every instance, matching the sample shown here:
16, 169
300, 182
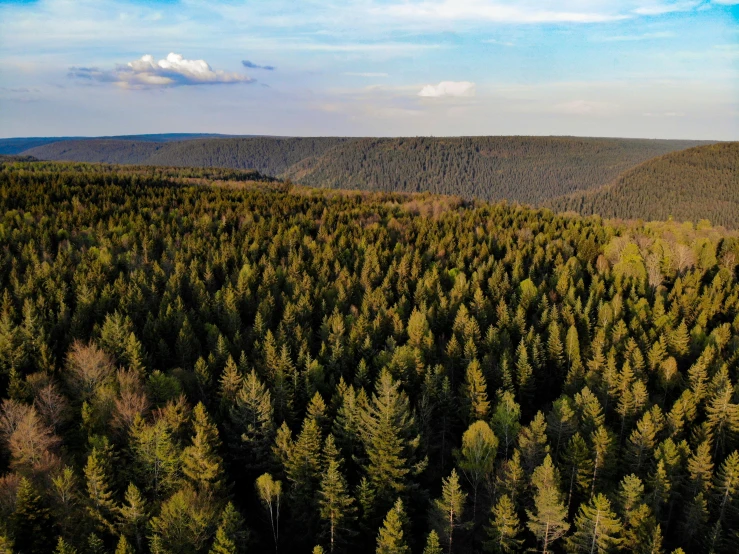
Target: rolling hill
692, 184
523, 169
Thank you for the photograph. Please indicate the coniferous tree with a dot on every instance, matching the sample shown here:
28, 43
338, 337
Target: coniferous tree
201, 463
449, 509
391, 539
549, 521
504, 528
336, 505
474, 392
597, 528
31, 522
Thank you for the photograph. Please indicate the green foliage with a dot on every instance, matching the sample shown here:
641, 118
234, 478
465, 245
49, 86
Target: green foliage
167, 342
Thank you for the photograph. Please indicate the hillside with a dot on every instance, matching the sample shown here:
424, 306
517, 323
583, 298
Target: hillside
18, 145
272, 156
524, 169
188, 365
693, 184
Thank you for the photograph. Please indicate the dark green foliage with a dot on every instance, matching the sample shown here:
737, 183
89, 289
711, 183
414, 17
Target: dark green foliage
689, 185
179, 347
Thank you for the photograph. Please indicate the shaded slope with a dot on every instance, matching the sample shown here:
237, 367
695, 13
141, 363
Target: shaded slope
693, 184
524, 169
268, 155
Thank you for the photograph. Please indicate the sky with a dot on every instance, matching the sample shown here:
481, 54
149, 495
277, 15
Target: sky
628, 68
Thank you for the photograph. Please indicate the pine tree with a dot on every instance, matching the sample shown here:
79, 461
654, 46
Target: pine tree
336, 505
124, 547
449, 509
391, 538
506, 421
548, 522
31, 523
133, 515
474, 393
303, 470
477, 456
504, 528
201, 463
63, 547
156, 457
230, 535
432, 544
561, 423
388, 432
252, 424
532, 443
579, 468
597, 528
101, 505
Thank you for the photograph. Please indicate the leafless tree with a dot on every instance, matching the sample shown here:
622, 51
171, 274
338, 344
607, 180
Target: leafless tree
31, 444
87, 367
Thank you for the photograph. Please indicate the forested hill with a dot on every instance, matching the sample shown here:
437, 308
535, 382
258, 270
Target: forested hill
272, 156
693, 184
204, 361
524, 169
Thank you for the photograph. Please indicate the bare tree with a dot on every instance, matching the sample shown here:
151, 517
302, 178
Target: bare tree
31, 443
87, 367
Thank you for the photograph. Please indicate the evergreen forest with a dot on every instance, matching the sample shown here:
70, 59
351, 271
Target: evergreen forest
213, 361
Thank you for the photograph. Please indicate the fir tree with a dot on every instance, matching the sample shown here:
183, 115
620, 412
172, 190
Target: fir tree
336, 505
201, 463
597, 528
31, 523
474, 393
432, 544
548, 522
449, 509
504, 528
391, 538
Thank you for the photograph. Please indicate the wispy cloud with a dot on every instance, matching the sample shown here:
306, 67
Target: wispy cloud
252, 65
172, 71
643, 36
369, 74
500, 12
496, 41
456, 89
666, 7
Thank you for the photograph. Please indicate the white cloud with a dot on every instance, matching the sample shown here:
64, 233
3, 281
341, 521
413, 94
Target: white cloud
495, 41
482, 10
645, 36
457, 89
352, 74
172, 71
584, 107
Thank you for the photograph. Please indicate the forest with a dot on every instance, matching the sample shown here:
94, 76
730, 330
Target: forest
520, 169
702, 181
213, 361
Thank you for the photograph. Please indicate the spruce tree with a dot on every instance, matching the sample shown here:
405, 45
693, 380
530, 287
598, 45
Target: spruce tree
336, 505
201, 463
432, 544
474, 393
504, 528
391, 539
133, 515
597, 528
549, 520
388, 432
101, 505
123, 547
63, 547
448, 510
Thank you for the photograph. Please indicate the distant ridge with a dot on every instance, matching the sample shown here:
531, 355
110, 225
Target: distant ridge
523, 169
18, 145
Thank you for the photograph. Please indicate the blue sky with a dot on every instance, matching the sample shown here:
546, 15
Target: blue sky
637, 68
